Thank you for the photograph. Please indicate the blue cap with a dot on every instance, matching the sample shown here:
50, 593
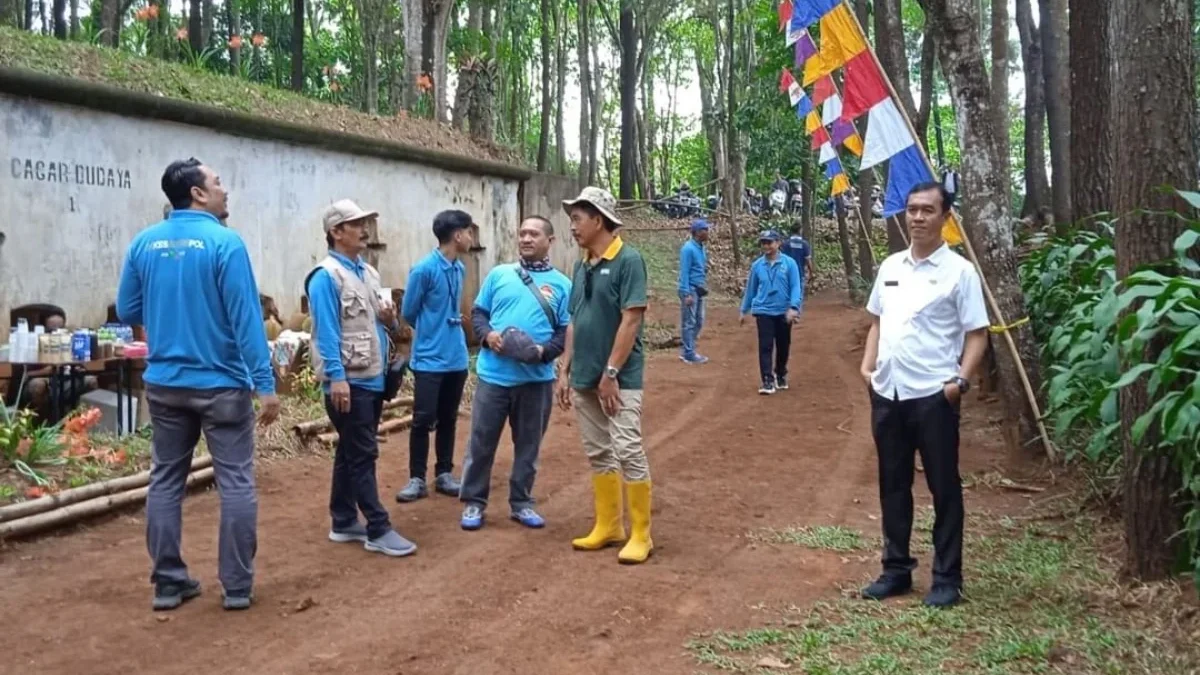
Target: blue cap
768, 235
699, 224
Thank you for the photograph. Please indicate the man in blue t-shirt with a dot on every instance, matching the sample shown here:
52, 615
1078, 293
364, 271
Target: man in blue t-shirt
773, 298
188, 280
521, 313
693, 288
439, 354
798, 249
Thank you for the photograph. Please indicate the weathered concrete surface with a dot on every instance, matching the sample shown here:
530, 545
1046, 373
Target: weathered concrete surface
543, 195
76, 185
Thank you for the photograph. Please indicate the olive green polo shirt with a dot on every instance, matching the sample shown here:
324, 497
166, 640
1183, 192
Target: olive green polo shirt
600, 290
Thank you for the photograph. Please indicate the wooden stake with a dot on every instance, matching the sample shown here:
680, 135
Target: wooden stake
1030, 396
384, 427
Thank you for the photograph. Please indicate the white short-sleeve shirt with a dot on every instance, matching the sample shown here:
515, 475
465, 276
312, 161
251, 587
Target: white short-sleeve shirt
925, 308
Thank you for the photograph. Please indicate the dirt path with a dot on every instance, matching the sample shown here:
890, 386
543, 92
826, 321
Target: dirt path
503, 600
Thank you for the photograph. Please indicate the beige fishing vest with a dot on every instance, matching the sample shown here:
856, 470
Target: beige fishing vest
362, 355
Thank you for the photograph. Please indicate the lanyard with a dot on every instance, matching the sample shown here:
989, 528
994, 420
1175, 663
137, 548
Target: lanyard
452, 285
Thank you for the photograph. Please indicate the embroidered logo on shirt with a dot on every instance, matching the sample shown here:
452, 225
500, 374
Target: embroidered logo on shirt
547, 292
604, 272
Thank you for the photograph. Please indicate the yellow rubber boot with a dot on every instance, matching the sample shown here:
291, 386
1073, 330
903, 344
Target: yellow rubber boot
609, 529
639, 546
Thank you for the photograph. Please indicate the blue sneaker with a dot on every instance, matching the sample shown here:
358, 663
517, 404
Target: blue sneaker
472, 518
695, 359
529, 518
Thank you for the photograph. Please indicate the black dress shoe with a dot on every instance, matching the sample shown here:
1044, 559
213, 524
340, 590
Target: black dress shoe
943, 595
888, 586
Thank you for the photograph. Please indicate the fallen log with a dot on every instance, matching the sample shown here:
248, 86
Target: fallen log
322, 426
384, 427
79, 494
73, 513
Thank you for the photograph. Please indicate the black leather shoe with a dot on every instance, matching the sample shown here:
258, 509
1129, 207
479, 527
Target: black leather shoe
943, 595
888, 586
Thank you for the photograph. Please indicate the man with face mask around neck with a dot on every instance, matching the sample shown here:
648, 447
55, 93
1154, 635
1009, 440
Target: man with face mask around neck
521, 311
349, 354
927, 311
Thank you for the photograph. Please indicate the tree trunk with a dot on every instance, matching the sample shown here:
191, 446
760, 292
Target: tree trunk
583, 29
895, 234
628, 84
560, 88
75, 25
1056, 59
999, 38
483, 102
413, 12
928, 63
437, 31
889, 40
733, 184
370, 20
986, 208
709, 119
235, 28
1037, 183
1152, 118
806, 187
208, 19
866, 179
59, 18
298, 45
195, 25
547, 92
1091, 121
10, 13
839, 208
597, 114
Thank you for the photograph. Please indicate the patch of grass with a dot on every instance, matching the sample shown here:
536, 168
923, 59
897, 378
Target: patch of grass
824, 537
661, 253
1041, 599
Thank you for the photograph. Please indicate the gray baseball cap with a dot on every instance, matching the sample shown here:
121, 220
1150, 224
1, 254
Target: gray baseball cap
344, 211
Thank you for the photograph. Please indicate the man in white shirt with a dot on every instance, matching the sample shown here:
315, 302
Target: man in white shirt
927, 310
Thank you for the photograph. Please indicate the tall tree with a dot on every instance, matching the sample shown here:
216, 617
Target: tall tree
560, 87
59, 10
582, 44
1037, 183
298, 45
1091, 114
195, 25
627, 44
1056, 54
928, 66
1151, 42
866, 179
889, 41
986, 207
544, 131
999, 36
10, 13
233, 7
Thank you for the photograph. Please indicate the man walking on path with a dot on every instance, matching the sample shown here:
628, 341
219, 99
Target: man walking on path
798, 249
188, 280
439, 354
693, 288
773, 295
521, 311
927, 309
602, 373
349, 354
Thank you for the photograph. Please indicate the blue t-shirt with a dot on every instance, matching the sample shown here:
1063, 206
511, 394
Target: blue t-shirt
325, 306
509, 303
188, 281
431, 307
773, 287
693, 267
799, 250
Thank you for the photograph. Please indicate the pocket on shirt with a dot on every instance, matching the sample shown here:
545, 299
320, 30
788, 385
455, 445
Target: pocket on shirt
354, 304
356, 351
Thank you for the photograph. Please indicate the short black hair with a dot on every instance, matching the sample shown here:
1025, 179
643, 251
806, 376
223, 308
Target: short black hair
594, 212
446, 223
947, 196
796, 226
57, 311
329, 239
178, 180
547, 226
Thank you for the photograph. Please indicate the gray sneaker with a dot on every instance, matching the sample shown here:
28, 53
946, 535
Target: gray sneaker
235, 601
356, 532
391, 544
415, 490
173, 594
447, 484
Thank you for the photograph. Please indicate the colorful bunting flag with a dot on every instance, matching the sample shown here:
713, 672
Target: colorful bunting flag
805, 49
807, 12
785, 13
841, 41
812, 123
827, 153
906, 170
864, 86
840, 184
887, 134
951, 231
786, 80
831, 110
841, 130
824, 88
833, 168
854, 144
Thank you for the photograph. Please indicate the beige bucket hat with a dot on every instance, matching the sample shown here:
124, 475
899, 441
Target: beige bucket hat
344, 211
600, 198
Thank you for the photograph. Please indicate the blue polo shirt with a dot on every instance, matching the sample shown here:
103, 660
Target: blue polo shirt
773, 287
188, 280
325, 306
509, 303
431, 307
693, 267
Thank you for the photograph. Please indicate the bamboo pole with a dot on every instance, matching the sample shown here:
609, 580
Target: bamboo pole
384, 427
1030, 396
72, 513
74, 495
321, 426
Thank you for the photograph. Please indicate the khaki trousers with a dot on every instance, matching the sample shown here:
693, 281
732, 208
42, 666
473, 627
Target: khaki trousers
613, 443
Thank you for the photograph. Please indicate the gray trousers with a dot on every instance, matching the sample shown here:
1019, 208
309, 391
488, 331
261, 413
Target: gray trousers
526, 408
226, 416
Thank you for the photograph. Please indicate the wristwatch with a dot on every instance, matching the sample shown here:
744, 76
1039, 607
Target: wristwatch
964, 385
612, 372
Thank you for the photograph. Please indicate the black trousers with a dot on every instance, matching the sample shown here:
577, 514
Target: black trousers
774, 336
928, 425
435, 406
354, 486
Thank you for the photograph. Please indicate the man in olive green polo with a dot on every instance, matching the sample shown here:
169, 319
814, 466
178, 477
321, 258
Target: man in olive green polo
602, 373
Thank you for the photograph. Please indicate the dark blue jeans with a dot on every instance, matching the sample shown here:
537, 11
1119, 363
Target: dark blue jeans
526, 409
774, 339
354, 485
